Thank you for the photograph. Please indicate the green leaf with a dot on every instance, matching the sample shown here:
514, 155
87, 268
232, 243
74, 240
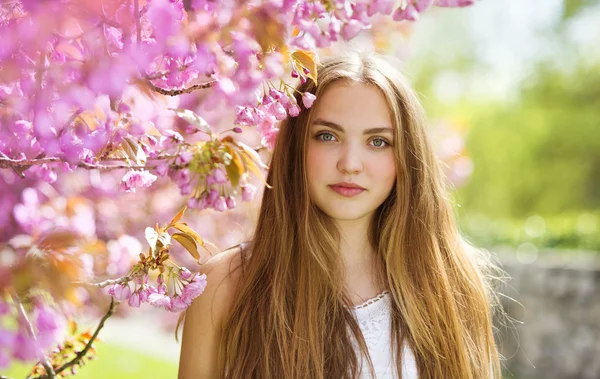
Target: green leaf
188, 243
194, 119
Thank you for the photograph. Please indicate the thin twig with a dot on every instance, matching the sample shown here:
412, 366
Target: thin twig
43, 359
105, 283
177, 92
88, 346
24, 164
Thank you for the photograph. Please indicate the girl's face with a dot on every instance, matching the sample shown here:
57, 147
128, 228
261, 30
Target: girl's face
350, 158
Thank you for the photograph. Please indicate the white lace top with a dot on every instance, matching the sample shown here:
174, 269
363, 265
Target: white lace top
374, 319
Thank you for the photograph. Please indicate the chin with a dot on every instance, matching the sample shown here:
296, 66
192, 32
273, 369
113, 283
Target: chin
345, 214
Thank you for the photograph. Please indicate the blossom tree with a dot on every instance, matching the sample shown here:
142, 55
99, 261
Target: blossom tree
103, 107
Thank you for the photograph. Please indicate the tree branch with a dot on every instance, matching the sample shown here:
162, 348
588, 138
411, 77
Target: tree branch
24, 164
50, 374
88, 346
109, 282
176, 92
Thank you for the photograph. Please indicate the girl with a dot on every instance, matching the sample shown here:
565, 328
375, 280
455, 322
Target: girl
356, 268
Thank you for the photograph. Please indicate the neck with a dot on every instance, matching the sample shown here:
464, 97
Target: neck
355, 247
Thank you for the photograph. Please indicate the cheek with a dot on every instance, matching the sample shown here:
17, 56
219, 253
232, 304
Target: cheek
316, 162
383, 170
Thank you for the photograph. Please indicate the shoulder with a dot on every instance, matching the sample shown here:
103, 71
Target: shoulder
223, 272
203, 322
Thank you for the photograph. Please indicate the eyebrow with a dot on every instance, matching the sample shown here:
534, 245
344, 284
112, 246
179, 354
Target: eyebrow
339, 128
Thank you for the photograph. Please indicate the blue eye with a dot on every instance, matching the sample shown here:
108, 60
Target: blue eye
325, 137
379, 143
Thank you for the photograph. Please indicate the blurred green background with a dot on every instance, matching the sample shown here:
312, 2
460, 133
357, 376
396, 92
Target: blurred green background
519, 83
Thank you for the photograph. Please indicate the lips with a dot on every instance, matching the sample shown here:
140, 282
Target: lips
347, 189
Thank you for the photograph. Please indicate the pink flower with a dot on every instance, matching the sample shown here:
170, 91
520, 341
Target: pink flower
248, 192
219, 176
136, 179
178, 304
184, 158
170, 138
351, 29
25, 348
244, 116
308, 99
195, 288
159, 300
184, 273
294, 109
230, 201
409, 13
423, 5
134, 300
278, 111
120, 292
220, 204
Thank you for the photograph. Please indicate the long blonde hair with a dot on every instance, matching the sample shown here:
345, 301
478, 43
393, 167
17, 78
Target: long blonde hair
291, 316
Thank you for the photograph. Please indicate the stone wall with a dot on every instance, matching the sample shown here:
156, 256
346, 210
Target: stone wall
556, 328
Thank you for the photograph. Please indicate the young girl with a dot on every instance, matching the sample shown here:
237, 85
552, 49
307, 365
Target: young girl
356, 268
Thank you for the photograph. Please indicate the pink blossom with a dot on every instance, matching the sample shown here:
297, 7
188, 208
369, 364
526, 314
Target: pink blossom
409, 13
278, 111
220, 204
308, 99
248, 192
170, 138
25, 348
230, 201
294, 109
134, 300
194, 288
184, 158
422, 5
120, 292
184, 273
159, 300
244, 116
178, 304
351, 29
137, 179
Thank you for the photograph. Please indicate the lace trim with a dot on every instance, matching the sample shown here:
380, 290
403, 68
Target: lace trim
371, 300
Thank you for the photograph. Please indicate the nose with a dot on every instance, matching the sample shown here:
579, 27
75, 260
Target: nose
350, 160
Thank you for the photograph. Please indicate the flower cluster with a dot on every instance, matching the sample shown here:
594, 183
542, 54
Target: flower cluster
48, 326
175, 293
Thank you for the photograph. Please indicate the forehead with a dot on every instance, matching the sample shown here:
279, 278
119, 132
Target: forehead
354, 106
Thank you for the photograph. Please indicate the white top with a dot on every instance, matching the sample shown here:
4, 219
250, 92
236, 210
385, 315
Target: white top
375, 322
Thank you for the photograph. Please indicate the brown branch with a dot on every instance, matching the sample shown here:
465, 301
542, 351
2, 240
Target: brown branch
23, 164
88, 346
177, 92
105, 283
44, 360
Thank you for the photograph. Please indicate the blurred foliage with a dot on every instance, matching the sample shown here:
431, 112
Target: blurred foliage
564, 231
540, 154
572, 8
